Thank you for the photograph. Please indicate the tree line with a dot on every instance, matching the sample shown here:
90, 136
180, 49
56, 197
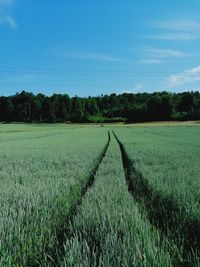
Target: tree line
139, 107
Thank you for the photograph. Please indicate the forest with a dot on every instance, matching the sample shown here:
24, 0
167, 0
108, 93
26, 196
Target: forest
128, 107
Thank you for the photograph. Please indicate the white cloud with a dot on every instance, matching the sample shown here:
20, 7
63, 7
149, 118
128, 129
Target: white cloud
8, 20
6, 17
181, 36
150, 61
181, 30
186, 76
6, 2
163, 53
138, 86
178, 25
156, 55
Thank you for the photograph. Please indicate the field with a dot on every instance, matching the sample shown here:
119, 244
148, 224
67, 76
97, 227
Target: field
85, 195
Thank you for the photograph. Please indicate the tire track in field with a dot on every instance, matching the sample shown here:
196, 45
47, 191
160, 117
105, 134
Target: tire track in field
77, 195
163, 211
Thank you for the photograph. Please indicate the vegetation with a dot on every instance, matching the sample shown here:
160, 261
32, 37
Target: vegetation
74, 195
162, 176
108, 229
42, 179
27, 107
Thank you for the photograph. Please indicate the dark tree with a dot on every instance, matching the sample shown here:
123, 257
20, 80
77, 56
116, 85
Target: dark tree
6, 109
26, 107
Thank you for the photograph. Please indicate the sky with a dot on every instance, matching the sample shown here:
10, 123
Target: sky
95, 47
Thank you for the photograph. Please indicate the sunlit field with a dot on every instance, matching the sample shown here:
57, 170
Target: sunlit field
100, 195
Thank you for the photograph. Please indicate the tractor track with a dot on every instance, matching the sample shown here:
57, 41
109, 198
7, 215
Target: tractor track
163, 211
77, 195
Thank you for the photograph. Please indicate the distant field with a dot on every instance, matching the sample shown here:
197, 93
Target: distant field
157, 123
168, 123
100, 195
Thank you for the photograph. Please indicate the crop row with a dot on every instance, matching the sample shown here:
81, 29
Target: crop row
109, 229
165, 213
42, 182
64, 199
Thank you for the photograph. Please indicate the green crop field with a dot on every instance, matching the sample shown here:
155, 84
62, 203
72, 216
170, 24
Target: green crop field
85, 195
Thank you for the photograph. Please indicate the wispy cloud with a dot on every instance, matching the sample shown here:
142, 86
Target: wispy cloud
8, 20
181, 30
177, 25
163, 53
138, 86
6, 17
150, 61
187, 76
156, 55
6, 2
184, 36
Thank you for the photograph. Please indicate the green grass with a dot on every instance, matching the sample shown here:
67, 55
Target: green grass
169, 157
41, 179
165, 178
109, 229
100, 119
62, 205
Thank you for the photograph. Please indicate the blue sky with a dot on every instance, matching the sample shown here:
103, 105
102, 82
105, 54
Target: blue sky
95, 47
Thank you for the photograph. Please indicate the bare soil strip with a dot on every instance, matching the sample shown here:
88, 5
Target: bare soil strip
163, 211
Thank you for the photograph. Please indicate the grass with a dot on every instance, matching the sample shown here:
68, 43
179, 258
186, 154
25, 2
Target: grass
70, 197
165, 123
41, 179
108, 229
163, 177
100, 119
169, 158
